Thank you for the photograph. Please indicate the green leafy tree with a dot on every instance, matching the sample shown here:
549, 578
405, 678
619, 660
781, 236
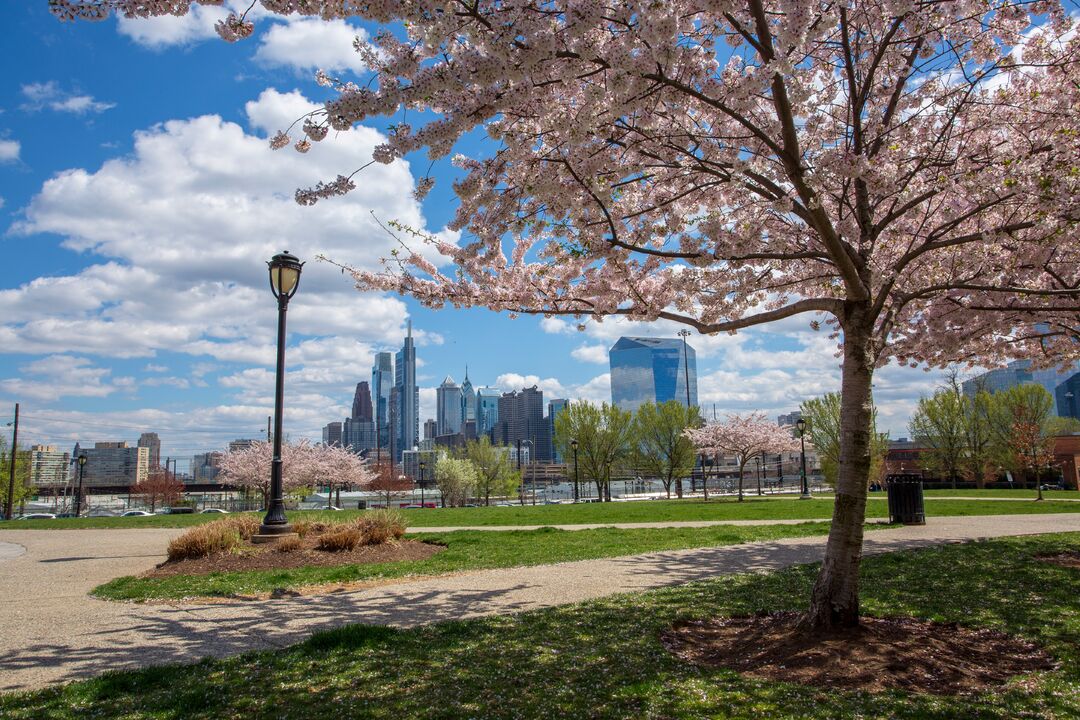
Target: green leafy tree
22, 489
939, 424
979, 456
1019, 418
659, 447
1057, 426
495, 475
822, 416
456, 478
603, 433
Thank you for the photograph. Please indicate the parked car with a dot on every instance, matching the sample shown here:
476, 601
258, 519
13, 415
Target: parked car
136, 513
37, 516
209, 511
1055, 486
100, 512
178, 511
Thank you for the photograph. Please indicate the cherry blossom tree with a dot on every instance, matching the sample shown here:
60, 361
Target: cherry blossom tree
303, 465
906, 170
743, 436
160, 487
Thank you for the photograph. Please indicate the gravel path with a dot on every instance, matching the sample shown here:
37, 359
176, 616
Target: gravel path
50, 631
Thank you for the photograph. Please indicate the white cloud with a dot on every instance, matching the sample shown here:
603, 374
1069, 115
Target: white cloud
168, 30
49, 95
310, 44
591, 354
9, 151
58, 376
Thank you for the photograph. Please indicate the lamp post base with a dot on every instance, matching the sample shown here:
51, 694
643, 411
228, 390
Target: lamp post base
806, 496
273, 533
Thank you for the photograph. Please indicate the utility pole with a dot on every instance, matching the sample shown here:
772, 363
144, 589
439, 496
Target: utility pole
10, 507
267, 428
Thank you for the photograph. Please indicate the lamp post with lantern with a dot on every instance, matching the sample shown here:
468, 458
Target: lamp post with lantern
423, 466
574, 446
801, 425
78, 493
284, 279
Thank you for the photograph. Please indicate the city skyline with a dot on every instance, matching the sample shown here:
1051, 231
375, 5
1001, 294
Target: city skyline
136, 298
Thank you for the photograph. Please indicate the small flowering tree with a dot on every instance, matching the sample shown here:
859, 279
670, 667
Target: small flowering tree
335, 466
745, 437
302, 465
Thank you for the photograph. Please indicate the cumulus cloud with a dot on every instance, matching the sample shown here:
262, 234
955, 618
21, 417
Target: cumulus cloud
9, 151
591, 354
169, 30
310, 44
60, 376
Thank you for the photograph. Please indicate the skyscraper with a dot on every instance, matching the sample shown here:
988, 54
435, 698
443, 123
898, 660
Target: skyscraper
382, 382
331, 434
521, 419
152, 442
408, 395
554, 408
487, 409
361, 404
448, 407
468, 399
652, 370
1019, 372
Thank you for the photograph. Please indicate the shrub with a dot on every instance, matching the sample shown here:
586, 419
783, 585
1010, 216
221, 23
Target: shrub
340, 539
381, 526
204, 540
289, 544
303, 528
246, 525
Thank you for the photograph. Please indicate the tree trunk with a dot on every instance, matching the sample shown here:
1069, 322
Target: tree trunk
834, 602
678, 488
741, 466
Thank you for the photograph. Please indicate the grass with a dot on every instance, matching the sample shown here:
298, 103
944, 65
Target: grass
754, 508
465, 550
602, 659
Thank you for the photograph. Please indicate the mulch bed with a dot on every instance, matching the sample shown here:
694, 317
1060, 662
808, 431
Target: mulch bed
266, 557
884, 653
1065, 559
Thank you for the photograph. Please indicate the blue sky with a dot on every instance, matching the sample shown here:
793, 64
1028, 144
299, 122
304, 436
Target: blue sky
139, 201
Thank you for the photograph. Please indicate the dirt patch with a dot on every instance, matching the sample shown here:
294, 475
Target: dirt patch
266, 557
884, 653
1065, 559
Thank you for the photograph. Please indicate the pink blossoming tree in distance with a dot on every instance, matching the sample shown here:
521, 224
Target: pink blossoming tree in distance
743, 436
303, 465
905, 171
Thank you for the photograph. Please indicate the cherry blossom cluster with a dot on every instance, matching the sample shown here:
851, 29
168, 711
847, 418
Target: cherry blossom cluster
303, 465
908, 170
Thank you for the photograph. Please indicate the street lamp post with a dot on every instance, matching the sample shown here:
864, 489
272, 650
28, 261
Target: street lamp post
284, 280
801, 425
686, 364
573, 446
78, 493
423, 465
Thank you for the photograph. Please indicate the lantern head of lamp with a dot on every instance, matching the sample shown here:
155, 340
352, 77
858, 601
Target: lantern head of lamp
284, 275
573, 444
801, 425
82, 460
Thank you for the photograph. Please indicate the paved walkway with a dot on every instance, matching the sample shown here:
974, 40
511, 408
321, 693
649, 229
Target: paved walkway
625, 525
50, 631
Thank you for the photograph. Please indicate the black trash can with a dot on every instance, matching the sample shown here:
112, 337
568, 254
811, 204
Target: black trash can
361, 504
905, 499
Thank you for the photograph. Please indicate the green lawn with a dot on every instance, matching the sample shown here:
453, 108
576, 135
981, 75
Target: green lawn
753, 508
602, 659
465, 550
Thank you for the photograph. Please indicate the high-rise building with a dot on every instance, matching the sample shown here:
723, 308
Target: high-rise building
382, 384
151, 441
487, 409
49, 467
521, 420
468, 398
205, 467
1020, 372
789, 418
241, 444
408, 395
1067, 395
358, 435
114, 466
331, 434
448, 407
554, 408
430, 429
652, 370
361, 404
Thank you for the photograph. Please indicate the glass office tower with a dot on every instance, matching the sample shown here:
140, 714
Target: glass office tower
652, 370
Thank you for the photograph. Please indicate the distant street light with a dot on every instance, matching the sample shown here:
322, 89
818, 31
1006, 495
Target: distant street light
801, 425
284, 280
422, 466
78, 494
573, 446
